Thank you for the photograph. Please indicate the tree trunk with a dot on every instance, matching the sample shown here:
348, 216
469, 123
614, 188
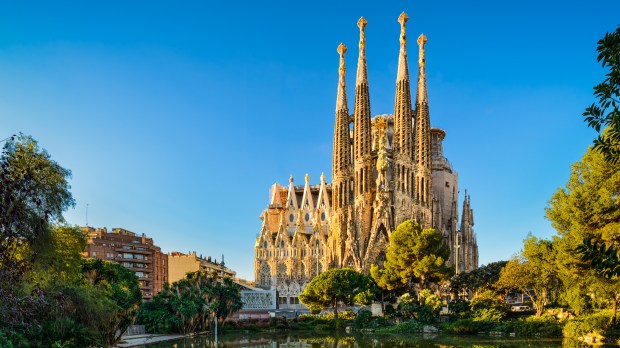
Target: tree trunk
336, 310
614, 308
382, 303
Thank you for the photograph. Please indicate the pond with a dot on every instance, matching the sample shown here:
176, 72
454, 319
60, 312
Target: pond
316, 340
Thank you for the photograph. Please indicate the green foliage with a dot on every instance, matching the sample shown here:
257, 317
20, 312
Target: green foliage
480, 279
328, 289
604, 114
34, 192
597, 323
462, 327
424, 310
414, 256
488, 307
191, 304
534, 273
587, 208
459, 307
600, 257
4, 341
410, 326
122, 288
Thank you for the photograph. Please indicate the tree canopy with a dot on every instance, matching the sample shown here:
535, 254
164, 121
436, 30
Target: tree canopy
415, 256
478, 280
604, 114
587, 209
334, 286
534, 272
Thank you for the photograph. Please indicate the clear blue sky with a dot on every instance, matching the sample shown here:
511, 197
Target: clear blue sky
176, 117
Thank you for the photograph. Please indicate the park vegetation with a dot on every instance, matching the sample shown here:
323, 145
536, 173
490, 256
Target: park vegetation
49, 294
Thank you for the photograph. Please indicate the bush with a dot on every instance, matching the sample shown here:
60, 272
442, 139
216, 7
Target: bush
410, 326
463, 327
365, 320
4, 341
488, 314
459, 307
532, 326
596, 323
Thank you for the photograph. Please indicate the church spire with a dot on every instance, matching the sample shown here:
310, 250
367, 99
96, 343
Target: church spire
423, 123
422, 131
402, 105
342, 147
361, 121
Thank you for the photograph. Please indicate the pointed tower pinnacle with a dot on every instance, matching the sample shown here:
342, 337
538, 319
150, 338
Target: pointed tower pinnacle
423, 132
403, 69
422, 95
403, 122
361, 118
362, 71
341, 101
341, 164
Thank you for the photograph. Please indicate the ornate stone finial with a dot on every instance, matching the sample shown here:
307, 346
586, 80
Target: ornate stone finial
290, 179
342, 49
421, 58
307, 178
322, 177
402, 19
362, 25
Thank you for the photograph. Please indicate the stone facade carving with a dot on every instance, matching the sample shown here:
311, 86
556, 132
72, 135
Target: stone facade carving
257, 299
387, 169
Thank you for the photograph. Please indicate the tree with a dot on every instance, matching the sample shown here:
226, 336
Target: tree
602, 258
34, 192
191, 304
478, 280
415, 256
587, 208
533, 273
604, 114
338, 285
122, 288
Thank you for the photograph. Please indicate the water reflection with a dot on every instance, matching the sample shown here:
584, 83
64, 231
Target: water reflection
314, 340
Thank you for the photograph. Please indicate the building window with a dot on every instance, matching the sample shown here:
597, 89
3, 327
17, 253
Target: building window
282, 300
294, 300
307, 217
291, 218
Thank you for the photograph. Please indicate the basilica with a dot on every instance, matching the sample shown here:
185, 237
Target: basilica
385, 169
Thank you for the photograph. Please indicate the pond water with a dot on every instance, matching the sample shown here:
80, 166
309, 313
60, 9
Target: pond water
316, 340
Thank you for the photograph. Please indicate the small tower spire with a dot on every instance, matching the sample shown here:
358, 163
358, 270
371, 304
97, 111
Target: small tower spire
362, 71
361, 119
403, 124
403, 169
423, 130
341, 165
422, 95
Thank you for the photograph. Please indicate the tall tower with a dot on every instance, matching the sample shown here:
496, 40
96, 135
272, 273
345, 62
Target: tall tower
341, 166
362, 144
423, 174
403, 135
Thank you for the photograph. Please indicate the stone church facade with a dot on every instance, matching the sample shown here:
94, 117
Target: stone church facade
386, 169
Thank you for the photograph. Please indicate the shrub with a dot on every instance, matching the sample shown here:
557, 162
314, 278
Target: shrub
4, 341
532, 326
459, 307
410, 326
463, 327
365, 320
596, 323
